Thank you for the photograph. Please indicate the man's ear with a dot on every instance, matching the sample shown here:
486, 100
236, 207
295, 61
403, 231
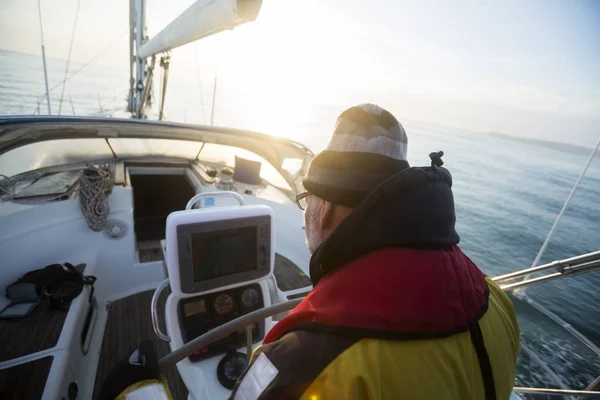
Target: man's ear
326, 216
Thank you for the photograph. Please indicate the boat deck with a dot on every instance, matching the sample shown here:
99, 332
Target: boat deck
25, 381
129, 323
39, 331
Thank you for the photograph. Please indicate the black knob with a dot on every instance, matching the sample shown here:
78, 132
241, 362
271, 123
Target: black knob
436, 158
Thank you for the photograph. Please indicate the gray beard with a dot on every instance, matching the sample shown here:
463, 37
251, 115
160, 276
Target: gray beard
313, 236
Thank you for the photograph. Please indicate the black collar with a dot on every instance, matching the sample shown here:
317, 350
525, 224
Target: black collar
414, 209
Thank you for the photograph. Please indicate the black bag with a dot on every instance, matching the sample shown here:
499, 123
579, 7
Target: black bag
56, 283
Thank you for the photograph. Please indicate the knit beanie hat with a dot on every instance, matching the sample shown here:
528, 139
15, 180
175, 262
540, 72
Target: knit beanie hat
367, 147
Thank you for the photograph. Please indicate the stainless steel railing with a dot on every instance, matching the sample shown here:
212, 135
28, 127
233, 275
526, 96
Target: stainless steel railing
570, 266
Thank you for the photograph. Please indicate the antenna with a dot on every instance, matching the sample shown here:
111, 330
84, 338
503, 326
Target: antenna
212, 114
72, 106
199, 82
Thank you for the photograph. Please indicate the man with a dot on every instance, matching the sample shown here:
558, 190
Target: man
397, 310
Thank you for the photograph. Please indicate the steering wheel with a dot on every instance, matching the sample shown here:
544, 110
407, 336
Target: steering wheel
222, 331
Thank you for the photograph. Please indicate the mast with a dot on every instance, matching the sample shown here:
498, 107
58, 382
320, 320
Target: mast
140, 25
137, 27
201, 19
130, 97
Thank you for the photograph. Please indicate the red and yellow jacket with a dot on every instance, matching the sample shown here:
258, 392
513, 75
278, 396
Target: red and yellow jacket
407, 321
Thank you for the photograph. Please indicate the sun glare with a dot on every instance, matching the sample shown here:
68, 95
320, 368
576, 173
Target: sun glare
291, 59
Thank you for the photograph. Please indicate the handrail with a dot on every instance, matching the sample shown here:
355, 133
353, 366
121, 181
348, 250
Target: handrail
563, 271
153, 311
560, 265
228, 194
584, 394
569, 266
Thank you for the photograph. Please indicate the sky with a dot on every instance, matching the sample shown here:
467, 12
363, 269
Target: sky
524, 68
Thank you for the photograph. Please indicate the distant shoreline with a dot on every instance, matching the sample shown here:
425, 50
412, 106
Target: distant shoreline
566, 147
39, 56
73, 61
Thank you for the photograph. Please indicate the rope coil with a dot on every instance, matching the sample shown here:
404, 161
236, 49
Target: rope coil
95, 184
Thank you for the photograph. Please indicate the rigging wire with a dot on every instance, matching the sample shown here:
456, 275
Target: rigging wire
564, 207
521, 292
44, 57
544, 366
146, 98
72, 106
214, 99
199, 82
104, 50
214, 95
69, 57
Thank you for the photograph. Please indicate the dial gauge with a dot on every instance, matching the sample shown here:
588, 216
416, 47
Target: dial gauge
223, 303
235, 367
230, 368
250, 298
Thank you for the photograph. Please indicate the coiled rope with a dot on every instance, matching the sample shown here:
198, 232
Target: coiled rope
95, 184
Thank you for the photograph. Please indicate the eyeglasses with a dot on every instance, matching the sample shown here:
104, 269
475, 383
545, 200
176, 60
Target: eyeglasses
301, 200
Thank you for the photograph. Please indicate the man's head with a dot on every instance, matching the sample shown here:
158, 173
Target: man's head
367, 147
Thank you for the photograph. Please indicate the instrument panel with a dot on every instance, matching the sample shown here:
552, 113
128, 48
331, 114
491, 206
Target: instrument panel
198, 315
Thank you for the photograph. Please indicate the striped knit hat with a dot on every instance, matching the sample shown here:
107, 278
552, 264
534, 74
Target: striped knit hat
367, 147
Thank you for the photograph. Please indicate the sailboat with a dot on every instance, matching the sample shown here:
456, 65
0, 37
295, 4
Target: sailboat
191, 232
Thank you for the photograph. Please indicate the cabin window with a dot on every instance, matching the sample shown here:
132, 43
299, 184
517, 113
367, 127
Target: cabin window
133, 147
225, 155
50, 153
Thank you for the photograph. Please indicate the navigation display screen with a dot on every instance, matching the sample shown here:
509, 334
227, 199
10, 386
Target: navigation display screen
222, 253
